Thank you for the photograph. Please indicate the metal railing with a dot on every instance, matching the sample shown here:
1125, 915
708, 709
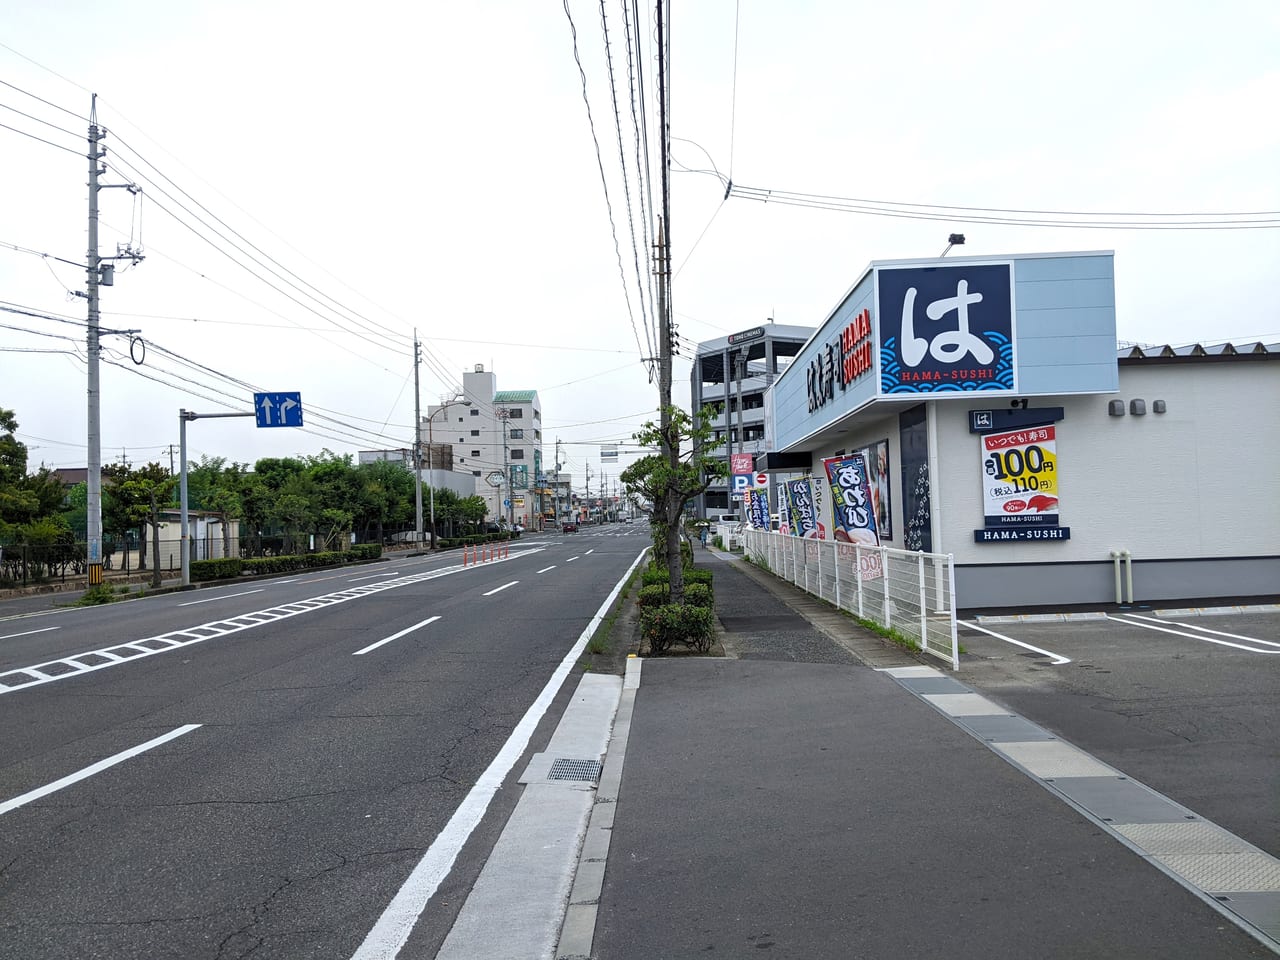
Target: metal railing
902, 590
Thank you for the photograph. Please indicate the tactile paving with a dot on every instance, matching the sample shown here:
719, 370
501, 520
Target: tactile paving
1252, 872
1051, 759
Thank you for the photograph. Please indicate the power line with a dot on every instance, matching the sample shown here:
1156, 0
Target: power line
41, 139
47, 103
70, 133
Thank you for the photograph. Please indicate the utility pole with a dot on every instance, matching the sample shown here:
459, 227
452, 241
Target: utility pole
93, 269
503, 414
588, 496
556, 490
742, 440
417, 450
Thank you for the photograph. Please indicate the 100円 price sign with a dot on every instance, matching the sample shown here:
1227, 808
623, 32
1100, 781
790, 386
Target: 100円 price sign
1020, 477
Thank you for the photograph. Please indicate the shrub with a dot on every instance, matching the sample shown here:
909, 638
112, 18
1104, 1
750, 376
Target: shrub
699, 595
222, 569
654, 595
365, 551
662, 627
101, 593
656, 576
697, 575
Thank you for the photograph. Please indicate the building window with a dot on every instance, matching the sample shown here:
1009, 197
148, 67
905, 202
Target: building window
474, 453
517, 433
475, 412
517, 454
475, 473
516, 413
475, 433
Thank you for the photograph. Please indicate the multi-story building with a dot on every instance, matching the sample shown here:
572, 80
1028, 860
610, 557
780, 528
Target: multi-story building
731, 374
496, 436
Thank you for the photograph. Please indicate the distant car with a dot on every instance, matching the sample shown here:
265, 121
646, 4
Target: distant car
569, 527
626, 519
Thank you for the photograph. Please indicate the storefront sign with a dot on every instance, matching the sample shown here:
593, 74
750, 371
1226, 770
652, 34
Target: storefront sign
804, 512
1020, 478
746, 336
946, 330
853, 509
1024, 533
841, 362
742, 463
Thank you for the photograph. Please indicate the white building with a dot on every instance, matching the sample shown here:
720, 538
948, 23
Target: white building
997, 423
496, 438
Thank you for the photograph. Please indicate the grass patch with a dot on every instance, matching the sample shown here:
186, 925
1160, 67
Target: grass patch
600, 640
95, 596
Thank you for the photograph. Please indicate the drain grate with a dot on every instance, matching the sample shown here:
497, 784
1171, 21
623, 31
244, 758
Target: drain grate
565, 769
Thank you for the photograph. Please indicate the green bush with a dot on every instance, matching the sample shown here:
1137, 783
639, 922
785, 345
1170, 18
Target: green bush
655, 576
654, 595
697, 575
699, 595
663, 627
221, 569
365, 551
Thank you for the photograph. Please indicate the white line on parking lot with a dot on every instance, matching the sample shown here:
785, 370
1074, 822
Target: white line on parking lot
396, 636
545, 569
1192, 636
1056, 658
1217, 633
27, 633
490, 593
225, 596
98, 767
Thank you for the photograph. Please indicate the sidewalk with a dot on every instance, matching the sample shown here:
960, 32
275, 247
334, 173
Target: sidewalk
795, 801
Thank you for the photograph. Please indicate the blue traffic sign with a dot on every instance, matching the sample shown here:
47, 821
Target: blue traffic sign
278, 409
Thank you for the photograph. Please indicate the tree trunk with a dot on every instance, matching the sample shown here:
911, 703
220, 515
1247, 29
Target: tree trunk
155, 541
226, 536
675, 568
142, 547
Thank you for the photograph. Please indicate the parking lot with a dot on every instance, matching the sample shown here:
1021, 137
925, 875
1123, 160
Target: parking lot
1185, 702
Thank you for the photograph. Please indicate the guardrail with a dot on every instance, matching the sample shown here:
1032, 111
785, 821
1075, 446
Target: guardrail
909, 592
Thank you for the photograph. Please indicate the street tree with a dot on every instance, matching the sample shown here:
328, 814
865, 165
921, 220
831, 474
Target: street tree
671, 478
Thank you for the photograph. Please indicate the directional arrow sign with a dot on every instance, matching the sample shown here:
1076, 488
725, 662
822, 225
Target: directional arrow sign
278, 409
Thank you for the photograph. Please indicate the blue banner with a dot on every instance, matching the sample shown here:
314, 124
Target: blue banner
804, 512
946, 329
759, 512
852, 509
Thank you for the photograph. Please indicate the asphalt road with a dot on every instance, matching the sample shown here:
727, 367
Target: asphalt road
1185, 704
285, 753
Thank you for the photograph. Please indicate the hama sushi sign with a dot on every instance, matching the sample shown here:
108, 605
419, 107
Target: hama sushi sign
1020, 486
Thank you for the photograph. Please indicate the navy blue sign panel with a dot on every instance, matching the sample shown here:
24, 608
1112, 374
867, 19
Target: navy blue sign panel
278, 409
946, 330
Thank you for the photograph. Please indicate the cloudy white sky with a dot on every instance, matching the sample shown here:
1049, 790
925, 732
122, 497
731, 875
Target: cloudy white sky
431, 166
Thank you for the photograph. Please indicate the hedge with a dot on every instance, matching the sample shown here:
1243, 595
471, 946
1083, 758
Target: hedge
699, 595
223, 569
663, 627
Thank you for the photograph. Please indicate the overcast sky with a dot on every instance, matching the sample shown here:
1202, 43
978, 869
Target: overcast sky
432, 165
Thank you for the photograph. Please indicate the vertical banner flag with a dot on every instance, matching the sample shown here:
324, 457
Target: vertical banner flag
759, 512
804, 514
852, 508
784, 508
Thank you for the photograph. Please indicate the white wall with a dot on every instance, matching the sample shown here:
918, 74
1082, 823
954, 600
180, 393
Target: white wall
1202, 480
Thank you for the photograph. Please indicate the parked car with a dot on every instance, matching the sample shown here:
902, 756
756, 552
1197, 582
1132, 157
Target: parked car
569, 527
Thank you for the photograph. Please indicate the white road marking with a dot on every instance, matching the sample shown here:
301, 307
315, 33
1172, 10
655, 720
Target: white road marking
571, 559
591, 551
225, 596
1216, 633
490, 593
373, 576
27, 633
543, 570
392, 930
1192, 636
98, 767
276, 583
1057, 659
395, 636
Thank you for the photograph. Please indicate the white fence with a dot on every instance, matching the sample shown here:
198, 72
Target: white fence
912, 593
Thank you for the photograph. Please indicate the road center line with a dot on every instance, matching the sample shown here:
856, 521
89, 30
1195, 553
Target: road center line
225, 596
396, 636
490, 593
571, 559
1058, 659
98, 767
543, 570
27, 633
589, 552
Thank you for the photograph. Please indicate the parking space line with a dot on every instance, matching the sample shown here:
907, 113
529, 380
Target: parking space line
1191, 636
1056, 658
1219, 633
395, 636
